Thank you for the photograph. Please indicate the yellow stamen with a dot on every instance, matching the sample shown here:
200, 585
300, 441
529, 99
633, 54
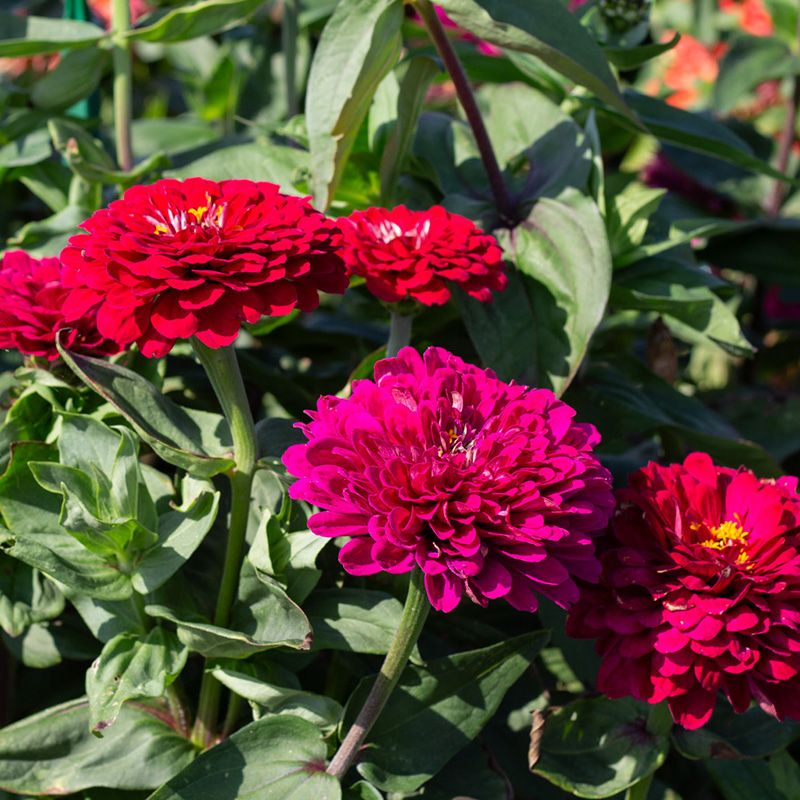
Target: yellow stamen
161, 228
729, 534
198, 213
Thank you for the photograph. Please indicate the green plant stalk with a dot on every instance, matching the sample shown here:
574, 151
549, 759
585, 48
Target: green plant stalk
223, 371
289, 33
415, 613
640, 789
399, 333
502, 198
123, 82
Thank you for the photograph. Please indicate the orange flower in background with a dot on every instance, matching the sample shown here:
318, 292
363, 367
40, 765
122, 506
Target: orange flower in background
688, 67
16, 67
752, 15
102, 10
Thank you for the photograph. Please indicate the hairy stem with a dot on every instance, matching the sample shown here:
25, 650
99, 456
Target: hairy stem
460, 80
399, 333
414, 614
223, 371
123, 82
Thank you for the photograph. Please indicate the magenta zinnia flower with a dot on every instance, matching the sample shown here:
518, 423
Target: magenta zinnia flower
490, 487
420, 255
197, 258
700, 592
32, 297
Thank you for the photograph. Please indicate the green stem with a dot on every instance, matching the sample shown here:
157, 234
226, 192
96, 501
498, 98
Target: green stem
505, 206
123, 82
399, 333
289, 33
223, 371
414, 614
640, 789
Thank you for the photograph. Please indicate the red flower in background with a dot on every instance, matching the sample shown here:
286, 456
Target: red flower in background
32, 298
196, 258
486, 48
700, 592
752, 16
419, 254
490, 488
102, 10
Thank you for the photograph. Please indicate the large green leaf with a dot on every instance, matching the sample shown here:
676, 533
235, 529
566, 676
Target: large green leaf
197, 441
446, 702
776, 779
545, 29
538, 330
128, 668
192, 20
25, 36
77, 75
597, 748
357, 620
36, 537
276, 758
360, 44
54, 753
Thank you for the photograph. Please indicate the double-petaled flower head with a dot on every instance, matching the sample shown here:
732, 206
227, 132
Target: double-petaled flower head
700, 592
491, 488
420, 255
32, 299
178, 259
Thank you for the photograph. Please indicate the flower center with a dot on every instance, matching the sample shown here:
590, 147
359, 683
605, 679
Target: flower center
207, 216
458, 439
387, 232
726, 535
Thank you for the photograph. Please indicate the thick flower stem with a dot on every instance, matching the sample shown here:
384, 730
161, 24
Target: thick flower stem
289, 46
222, 369
414, 614
399, 333
123, 82
460, 80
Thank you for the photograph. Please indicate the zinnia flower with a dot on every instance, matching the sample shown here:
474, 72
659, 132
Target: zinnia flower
32, 298
102, 10
419, 254
751, 15
700, 592
196, 258
490, 487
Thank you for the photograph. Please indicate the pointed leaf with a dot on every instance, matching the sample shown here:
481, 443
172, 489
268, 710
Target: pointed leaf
192, 20
25, 36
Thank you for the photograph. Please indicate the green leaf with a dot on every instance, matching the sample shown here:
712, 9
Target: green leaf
626, 58
106, 619
180, 532
693, 132
264, 618
597, 748
36, 537
522, 121
545, 29
753, 734
47, 644
748, 62
49, 236
53, 752
276, 758
468, 775
538, 330
192, 20
26, 597
447, 702
776, 779
360, 44
196, 441
129, 668
25, 36
414, 86
321, 711
30, 148
275, 163
76, 76
354, 620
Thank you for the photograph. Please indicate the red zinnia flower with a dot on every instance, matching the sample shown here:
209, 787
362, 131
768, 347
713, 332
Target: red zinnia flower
416, 254
752, 16
197, 258
32, 298
489, 487
700, 592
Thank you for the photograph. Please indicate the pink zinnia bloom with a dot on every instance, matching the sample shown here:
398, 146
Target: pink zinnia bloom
197, 258
420, 254
489, 487
32, 297
700, 592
